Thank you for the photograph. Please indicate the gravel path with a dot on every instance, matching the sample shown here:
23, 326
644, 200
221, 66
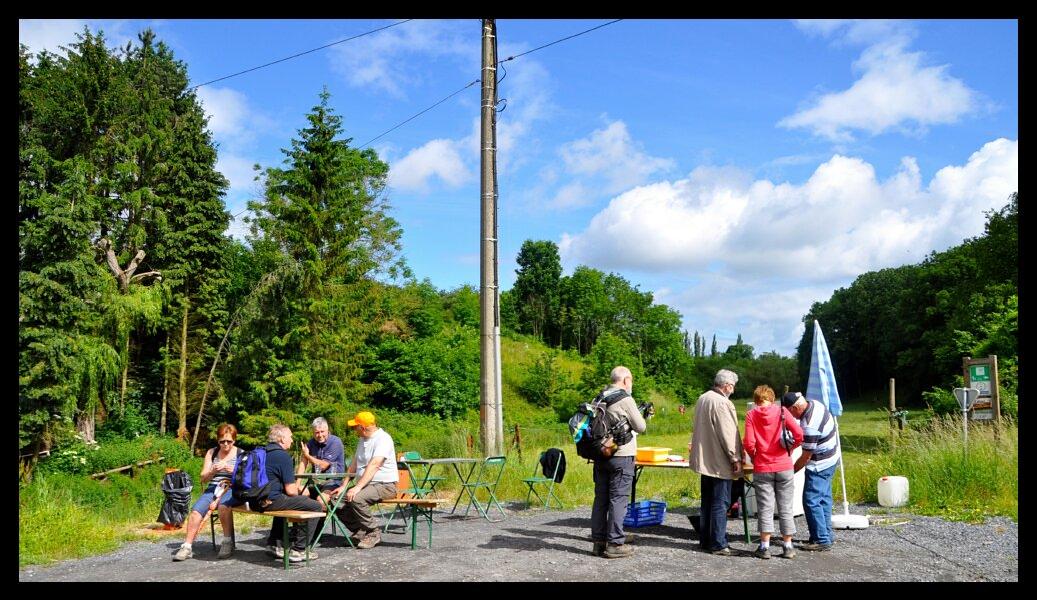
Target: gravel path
539, 545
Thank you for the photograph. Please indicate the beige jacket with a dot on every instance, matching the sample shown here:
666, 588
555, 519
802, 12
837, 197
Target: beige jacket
628, 408
715, 440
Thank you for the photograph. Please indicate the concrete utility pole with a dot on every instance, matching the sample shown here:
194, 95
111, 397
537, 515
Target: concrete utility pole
491, 421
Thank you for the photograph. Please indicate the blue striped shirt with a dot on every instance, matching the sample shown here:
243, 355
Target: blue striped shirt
819, 436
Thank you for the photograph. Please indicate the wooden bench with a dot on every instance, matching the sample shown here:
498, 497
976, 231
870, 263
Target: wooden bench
290, 516
422, 506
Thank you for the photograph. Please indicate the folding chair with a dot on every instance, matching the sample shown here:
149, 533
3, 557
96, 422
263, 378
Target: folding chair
547, 480
405, 489
488, 476
426, 479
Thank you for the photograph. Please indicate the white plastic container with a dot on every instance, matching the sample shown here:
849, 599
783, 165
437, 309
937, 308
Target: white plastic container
893, 491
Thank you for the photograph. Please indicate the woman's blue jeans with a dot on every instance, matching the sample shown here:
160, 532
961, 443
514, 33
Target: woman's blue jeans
817, 504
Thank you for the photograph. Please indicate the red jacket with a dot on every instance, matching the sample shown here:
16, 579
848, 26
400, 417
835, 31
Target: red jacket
762, 433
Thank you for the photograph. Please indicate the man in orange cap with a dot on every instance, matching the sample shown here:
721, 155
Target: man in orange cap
374, 465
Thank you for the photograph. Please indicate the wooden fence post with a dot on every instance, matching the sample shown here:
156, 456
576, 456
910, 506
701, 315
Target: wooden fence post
517, 441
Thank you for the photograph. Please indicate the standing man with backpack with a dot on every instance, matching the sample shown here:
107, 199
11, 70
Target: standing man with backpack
614, 468
715, 453
281, 493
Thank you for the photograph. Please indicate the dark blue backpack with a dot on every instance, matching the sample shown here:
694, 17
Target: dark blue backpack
250, 482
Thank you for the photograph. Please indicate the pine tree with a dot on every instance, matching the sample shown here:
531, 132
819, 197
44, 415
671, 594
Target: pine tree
325, 214
713, 348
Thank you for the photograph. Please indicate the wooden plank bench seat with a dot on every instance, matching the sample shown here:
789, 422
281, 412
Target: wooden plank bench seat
290, 516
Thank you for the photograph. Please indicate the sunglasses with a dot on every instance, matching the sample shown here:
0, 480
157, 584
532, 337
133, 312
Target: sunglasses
226, 442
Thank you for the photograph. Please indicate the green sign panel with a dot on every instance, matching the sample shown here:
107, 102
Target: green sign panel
979, 373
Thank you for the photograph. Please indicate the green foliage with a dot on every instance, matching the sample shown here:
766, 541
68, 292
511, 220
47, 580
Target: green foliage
437, 375
545, 380
77, 458
254, 428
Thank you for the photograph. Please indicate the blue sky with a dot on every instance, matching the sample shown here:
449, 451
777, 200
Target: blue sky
738, 170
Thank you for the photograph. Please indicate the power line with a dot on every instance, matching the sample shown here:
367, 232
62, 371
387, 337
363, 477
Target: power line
404, 122
421, 113
301, 54
556, 41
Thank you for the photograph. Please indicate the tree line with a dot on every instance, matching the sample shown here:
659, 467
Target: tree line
915, 323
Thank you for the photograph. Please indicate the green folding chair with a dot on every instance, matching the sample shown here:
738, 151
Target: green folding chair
548, 482
427, 479
405, 488
487, 478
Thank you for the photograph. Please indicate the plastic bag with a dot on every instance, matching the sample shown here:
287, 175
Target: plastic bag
177, 487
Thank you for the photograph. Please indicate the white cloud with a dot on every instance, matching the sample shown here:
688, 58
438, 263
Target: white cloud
437, 158
736, 255
841, 222
605, 162
228, 111
896, 91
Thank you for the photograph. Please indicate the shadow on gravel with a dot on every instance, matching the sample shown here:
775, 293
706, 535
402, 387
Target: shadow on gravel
533, 541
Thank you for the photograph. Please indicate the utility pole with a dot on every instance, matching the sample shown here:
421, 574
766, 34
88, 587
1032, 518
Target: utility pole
490, 413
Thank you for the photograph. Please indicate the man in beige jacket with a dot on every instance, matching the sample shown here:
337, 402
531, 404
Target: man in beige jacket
715, 453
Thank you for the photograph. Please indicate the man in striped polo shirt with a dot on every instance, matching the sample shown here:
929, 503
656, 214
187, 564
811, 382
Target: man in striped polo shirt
820, 456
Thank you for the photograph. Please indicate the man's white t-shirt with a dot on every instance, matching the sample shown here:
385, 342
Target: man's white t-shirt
379, 444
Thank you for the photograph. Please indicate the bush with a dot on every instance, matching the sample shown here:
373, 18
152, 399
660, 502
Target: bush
85, 459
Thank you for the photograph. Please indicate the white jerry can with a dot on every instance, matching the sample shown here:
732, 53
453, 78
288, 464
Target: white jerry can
893, 491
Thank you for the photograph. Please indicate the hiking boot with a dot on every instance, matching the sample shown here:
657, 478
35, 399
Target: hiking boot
226, 549
617, 551
275, 551
183, 553
370, 540
761, 552
599, 549
815, 547
788, 552
725, 551
296, 556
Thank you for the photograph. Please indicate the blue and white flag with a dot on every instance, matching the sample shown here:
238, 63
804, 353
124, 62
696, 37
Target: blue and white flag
821, 383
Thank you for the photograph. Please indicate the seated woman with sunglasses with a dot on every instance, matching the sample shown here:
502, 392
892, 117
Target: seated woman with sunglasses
216, 470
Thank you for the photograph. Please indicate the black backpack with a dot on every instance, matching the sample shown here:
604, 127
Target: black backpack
598, 432
250, 483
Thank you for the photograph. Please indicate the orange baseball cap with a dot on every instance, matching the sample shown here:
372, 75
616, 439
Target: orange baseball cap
362, 418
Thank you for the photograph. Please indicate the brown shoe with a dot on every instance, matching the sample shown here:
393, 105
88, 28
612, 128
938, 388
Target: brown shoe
370, 540
618, 551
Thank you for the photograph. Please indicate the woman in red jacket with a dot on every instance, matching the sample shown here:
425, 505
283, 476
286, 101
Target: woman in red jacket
772, 468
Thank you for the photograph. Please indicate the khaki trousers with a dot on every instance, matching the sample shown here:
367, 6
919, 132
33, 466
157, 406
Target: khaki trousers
357, 514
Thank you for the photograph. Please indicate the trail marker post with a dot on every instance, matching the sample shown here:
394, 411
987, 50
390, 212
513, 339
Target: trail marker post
966, 398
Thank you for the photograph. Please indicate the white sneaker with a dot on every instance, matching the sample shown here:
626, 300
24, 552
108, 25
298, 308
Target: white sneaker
300, 555
183, 553
275, 551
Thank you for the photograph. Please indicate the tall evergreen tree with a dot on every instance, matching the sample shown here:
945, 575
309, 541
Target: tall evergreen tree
713, 348
325, 213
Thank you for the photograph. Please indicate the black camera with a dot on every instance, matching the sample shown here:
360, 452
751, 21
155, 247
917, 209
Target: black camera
647, 409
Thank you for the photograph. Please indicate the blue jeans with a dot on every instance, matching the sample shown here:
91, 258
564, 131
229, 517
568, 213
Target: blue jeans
613, 478
716, 499
817, 504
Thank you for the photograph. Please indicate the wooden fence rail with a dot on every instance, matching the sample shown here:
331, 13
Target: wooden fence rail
129, 468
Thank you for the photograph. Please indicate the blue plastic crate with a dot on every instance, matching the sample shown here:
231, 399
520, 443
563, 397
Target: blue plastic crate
644, 513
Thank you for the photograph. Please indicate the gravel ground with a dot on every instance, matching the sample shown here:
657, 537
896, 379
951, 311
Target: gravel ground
540, 545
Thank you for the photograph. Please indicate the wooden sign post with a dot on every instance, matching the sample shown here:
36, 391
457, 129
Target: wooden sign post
981, 374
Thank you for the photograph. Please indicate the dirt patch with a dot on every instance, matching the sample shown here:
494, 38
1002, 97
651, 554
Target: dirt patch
540, 545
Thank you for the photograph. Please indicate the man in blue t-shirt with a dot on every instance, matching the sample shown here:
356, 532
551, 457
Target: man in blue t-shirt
286, 494
326, 455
